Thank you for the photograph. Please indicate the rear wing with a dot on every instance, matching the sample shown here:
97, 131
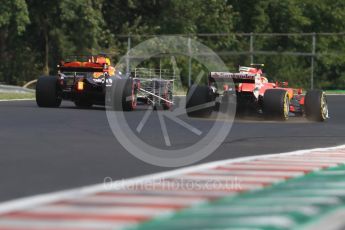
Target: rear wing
235, 77
82, 67
85, 63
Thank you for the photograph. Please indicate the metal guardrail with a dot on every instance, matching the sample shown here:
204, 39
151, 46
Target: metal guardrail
15, 89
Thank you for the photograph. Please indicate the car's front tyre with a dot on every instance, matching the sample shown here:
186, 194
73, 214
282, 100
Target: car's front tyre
315, 105
276, 104
124, 94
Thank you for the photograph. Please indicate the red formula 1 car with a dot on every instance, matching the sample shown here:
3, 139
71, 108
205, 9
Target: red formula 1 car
250, 91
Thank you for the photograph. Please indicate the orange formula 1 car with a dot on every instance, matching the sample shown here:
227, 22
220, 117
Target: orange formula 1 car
81, 79
249, 90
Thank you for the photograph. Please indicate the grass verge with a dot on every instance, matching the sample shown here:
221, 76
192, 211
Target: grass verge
9, 96
335, 91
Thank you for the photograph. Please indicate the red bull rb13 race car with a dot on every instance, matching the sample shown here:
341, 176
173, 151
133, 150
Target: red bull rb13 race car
91, 80
80, 79
250, 91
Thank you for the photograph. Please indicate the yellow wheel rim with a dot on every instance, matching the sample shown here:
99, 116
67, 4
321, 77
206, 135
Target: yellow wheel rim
286, 106
324, 107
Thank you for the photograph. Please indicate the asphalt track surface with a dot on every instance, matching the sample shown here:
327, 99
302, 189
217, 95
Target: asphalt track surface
46, 149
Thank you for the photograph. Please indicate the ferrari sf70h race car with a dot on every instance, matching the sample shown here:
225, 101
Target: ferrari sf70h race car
250, 91
85, 80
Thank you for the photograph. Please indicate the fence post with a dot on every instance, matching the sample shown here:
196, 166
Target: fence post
312, 61
251, 48
128, 62
189, 63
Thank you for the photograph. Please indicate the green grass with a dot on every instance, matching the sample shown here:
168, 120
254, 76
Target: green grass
9, 96
335, 91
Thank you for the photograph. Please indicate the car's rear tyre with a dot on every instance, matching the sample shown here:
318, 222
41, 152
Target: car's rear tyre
167, 95
47, 92
315, 105
276, 104
199, 101
124, 95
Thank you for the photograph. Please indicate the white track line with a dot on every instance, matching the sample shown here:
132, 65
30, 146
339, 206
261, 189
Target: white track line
118, 210
24, 99
58, 224
33, 201
137, 199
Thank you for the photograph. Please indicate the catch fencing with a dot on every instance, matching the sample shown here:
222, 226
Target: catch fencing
255, 46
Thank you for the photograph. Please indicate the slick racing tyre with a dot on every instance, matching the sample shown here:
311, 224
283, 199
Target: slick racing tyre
276, 104
315, 105
167, 95
199, 101
124, 94
47, 92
